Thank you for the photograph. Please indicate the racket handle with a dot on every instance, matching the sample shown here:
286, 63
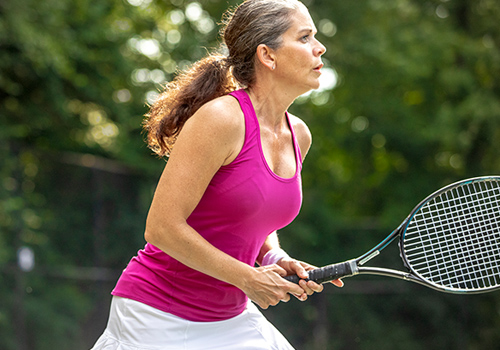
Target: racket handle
328, 273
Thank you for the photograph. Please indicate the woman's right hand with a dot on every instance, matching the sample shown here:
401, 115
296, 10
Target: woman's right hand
267, 287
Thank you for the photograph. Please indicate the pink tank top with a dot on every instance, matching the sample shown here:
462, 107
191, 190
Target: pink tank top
244, 202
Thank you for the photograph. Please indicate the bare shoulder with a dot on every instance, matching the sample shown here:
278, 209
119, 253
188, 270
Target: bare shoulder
302, 132
219, 121
223, 112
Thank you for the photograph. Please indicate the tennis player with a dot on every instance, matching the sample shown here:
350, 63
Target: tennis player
231, 181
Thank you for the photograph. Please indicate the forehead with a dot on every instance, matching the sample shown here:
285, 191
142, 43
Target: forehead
301, 21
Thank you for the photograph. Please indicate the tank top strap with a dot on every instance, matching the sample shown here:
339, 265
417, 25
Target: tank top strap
298, 153
252, 134
251, 123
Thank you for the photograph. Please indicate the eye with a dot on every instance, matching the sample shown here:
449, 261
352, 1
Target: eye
305, 38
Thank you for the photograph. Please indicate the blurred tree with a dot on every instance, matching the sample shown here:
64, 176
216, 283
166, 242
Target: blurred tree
409, 102
76, 177
415, 106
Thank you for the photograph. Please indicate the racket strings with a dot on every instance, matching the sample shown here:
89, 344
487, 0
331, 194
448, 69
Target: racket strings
453, 240
455, 250
475, 265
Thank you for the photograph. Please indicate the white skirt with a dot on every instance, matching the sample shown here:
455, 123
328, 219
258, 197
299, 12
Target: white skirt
136, 326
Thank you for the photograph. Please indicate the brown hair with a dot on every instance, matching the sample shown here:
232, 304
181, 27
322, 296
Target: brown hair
254, 22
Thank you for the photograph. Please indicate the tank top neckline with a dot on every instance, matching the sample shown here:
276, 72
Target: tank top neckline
243, 93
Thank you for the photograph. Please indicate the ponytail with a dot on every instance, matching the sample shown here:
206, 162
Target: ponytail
254, 22
207, 79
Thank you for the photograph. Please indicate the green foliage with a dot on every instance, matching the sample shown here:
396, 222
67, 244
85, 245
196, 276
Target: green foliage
411, 104
416, 107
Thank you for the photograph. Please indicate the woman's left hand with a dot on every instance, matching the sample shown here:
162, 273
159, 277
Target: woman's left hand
300, 269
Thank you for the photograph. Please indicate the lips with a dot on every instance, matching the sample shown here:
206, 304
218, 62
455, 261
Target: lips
318, 68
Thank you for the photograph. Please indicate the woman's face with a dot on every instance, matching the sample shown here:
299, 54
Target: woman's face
298, 59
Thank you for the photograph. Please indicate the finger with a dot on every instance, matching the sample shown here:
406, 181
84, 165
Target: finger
263, 306
278, 269
315, 287
311, 287
338, 283
305, 286
286, 299
295, 289
301, 297
299, 270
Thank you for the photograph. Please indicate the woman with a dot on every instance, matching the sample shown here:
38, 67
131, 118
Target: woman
232, 179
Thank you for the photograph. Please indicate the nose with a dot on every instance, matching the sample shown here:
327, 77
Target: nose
320, 48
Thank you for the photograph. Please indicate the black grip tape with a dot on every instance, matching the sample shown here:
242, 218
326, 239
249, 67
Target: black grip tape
325, 274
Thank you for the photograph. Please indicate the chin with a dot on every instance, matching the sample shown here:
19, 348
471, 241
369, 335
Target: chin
315, 86
308, 88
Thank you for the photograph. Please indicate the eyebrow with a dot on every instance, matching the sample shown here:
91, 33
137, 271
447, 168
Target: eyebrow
308, 30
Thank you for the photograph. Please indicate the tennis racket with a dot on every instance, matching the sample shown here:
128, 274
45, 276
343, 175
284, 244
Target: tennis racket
450, 242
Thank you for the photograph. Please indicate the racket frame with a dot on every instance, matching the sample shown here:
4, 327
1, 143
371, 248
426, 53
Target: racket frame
355, 266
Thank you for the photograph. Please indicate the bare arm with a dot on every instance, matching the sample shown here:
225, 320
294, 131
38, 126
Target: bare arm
211, 138
270, 243
292, 266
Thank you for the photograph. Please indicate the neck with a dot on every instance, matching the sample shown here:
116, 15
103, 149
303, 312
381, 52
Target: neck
270, 106
271, 97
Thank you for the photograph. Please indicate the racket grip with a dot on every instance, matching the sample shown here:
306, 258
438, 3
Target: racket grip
328, 273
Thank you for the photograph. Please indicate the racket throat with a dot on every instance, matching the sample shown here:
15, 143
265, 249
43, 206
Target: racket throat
369, 257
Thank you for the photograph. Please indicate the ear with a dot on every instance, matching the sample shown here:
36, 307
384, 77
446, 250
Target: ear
266, 56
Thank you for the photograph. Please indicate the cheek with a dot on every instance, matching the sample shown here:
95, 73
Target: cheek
304, 58
298, 61
295, 62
